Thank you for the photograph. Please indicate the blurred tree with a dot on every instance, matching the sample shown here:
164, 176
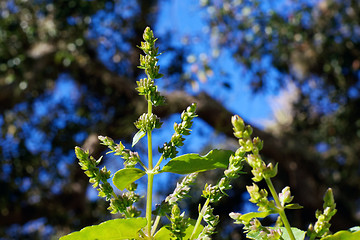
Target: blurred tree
314, 47
44, 44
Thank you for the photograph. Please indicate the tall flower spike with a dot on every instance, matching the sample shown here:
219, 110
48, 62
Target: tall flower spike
148, 62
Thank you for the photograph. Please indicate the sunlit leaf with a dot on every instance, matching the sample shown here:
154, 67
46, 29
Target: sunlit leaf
293, 206
248, 216
139, 135
298, 234
192, 162
110, 230
164, 233
345, 235
126, 176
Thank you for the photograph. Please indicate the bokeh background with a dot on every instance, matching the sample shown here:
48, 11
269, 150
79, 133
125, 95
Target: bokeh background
68, 71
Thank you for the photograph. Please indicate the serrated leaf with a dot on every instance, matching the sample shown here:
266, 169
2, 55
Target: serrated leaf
298, 234
110, 230
248, 216
293, 206
190, 163
139, 135
343, 235
164, 233
126, 176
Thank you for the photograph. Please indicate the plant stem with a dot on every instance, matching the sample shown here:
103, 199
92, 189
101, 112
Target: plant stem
156, 223
149, 203
159, 162
280, 208
150, 178
200, 217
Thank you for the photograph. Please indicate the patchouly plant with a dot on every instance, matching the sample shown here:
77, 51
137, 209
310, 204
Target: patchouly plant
132, 226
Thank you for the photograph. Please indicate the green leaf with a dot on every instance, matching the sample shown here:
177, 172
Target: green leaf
139, 135
293, 206
344, 235
248, 216
190, 163
190, 229
126, 176
298, 234
109, 230
164, 233
253, 235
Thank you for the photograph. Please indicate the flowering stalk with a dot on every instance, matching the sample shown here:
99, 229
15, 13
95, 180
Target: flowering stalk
261, 171
281, 209
147, 122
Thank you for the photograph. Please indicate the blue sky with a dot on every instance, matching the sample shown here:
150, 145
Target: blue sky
185, 20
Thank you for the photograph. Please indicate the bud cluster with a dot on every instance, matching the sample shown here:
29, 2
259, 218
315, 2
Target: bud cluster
178, 223
212, 221
124, 203
249, 149
259, 169
148, 88
131, 158
181, 189
212, 193
322, 225
97, 177
255, 230
169, 149
148, 122
149, 61
180, 192
259, 197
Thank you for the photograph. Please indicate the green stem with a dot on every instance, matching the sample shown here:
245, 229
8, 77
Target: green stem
280, 208
200, 217
149, 203
159, 162
149, 107
150, 177
156, 223
143, 165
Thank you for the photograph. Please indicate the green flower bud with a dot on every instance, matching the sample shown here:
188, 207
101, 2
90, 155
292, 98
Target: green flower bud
329, 199
238, 123
255, 224
254, 161
107, 141
270, 171
258, 174
247, 132
212, 192
148, 35
81, 154
148, 122
235, 216
285, 196
175, 210
246, 144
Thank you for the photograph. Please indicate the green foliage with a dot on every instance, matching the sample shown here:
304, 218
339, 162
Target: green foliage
189, 163
124, 177
181, 227
164, 232
110, 230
